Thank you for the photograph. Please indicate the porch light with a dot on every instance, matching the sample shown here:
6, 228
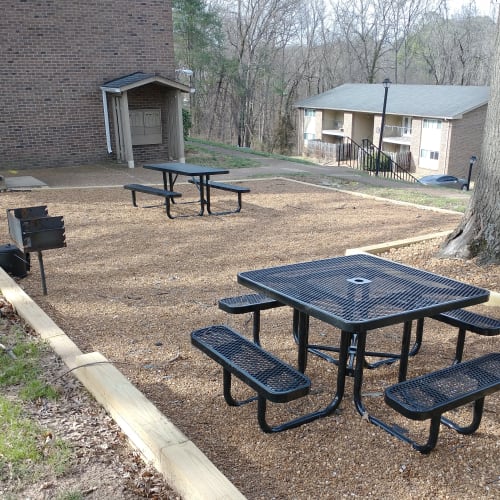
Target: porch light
386, 83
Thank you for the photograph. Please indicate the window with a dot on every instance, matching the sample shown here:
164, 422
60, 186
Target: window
309, 137
429, 155
430, 123
406, 125
310, 112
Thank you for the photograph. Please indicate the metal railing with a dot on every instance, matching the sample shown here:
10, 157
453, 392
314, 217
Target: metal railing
362, 157
397, 131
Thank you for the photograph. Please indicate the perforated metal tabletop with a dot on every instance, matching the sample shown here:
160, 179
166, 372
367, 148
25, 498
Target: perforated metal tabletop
362, 292
186, 169
359, 293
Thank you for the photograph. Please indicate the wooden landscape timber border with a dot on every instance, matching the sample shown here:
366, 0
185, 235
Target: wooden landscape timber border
494, 300
149, 431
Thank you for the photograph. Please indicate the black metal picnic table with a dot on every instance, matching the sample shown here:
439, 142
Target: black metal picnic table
171, 170
358, 294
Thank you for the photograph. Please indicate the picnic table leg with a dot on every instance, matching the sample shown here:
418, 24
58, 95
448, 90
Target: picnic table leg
169, 186
358, 372
204, 188
405, 351
459, 351
301, 323
358, 383
167, 207
328, 410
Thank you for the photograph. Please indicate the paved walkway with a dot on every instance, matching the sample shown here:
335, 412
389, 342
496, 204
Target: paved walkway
114, 174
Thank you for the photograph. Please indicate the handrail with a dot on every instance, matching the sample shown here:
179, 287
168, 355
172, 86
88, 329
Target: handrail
367, 156
364, 157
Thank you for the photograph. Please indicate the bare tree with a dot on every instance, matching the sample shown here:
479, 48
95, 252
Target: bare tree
366, 26
478, 235
405, 17
261, 28
455, 49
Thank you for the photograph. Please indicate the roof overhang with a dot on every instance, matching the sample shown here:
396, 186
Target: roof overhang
139, 79
337, 133
405, 141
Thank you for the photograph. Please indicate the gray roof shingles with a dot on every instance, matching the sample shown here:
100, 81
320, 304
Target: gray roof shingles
128, 79
438, 101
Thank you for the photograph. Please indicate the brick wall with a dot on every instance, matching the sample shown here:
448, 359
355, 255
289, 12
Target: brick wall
55, 55
466, 139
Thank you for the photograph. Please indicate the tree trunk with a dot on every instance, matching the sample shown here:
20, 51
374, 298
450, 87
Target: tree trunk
478, 235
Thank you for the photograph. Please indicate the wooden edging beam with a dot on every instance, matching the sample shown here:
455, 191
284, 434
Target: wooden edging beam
187, 470
182, 464
494, 300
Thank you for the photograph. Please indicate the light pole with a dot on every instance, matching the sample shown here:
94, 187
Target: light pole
472, 160
386, 83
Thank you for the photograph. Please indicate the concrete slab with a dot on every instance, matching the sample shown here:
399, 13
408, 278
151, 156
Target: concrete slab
23, 182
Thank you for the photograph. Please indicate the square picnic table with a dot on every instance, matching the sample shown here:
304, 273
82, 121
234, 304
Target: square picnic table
358, 294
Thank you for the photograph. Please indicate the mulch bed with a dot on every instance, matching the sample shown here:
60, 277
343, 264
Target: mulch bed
133, 284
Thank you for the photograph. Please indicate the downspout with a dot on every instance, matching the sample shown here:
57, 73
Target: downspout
106, 119
448, 150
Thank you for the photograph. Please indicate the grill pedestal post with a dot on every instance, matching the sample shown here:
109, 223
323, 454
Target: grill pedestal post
33, 230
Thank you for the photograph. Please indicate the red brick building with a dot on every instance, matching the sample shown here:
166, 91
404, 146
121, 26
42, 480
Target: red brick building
63, 94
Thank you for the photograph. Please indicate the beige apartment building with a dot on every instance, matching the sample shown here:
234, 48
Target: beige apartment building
428, 129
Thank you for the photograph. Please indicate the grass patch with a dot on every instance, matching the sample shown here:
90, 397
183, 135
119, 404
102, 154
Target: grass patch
18, 435
22, 367
27, 451
404, 192
36, 389
198, 143
199, 155
409, 196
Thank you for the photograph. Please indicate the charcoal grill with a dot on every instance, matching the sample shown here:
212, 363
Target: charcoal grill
33, 230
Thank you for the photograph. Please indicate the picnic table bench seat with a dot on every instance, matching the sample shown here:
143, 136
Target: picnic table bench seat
470, 321
431, 395
224, 186
249, 303
270, 377
168, 195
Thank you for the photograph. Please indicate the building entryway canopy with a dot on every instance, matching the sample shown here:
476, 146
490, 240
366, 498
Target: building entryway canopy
118, 91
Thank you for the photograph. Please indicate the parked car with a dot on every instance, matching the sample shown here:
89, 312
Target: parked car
444, 180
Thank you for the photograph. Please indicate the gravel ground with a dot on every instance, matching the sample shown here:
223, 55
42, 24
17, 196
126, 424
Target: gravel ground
133, 284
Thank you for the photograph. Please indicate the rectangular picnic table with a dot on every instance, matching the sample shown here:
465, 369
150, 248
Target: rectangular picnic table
171, 171
357, 294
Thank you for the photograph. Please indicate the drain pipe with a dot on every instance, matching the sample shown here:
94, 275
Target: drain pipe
106, 114
106, 119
